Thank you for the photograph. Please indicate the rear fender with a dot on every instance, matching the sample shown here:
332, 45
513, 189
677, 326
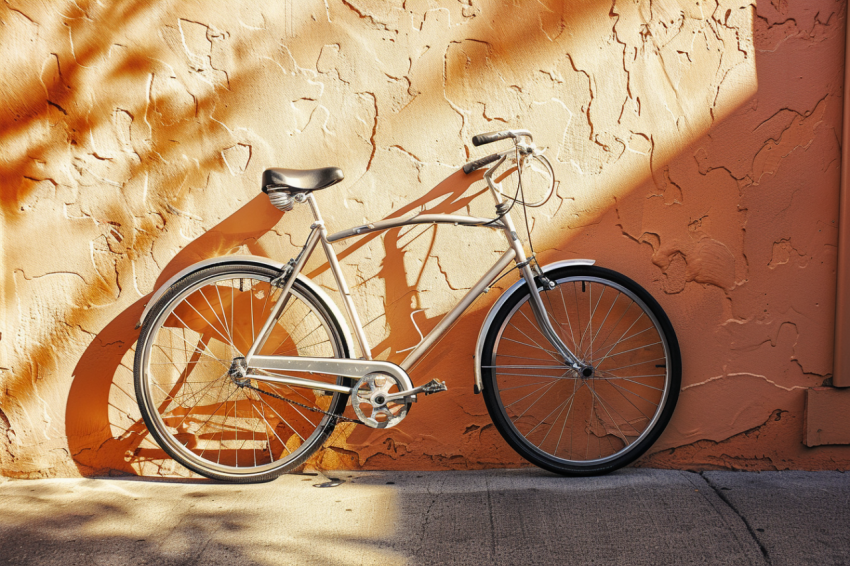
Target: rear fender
261, 262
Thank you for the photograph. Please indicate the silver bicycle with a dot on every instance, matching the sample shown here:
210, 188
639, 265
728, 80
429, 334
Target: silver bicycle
244, 366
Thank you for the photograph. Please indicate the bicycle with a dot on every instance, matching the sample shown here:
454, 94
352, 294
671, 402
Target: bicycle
244, 366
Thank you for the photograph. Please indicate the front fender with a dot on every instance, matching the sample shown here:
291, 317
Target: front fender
261, 262
479, 346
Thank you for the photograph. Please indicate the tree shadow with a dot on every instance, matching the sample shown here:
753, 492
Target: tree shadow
118, 528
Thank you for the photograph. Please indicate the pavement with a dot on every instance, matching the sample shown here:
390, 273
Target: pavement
493, 517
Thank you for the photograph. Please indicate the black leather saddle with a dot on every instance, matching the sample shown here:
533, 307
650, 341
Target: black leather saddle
301, 180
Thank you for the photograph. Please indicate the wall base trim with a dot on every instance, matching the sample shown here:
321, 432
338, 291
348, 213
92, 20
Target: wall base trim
827, 416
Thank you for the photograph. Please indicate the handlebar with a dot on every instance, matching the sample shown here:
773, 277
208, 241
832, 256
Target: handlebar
490, 137
521, 152
479, 163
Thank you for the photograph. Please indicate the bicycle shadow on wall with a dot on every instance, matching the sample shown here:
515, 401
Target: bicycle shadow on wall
106, 434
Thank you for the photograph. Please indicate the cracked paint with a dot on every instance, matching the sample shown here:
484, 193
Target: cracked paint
696, 145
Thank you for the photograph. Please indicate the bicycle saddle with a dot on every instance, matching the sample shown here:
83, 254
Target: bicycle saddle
301, 180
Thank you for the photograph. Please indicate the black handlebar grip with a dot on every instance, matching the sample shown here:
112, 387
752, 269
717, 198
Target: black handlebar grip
489, 137
479, 163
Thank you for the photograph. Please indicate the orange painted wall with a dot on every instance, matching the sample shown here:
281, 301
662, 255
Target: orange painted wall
697, 144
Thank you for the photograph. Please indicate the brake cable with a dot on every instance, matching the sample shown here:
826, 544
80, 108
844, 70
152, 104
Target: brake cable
521, 193
500, 208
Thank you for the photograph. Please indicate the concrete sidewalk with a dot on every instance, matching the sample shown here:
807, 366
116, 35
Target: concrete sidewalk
490, 517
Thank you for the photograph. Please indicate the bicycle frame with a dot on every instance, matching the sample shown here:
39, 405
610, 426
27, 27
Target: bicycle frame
357, 368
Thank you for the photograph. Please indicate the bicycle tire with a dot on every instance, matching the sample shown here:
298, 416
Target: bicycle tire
621, 396
213, 340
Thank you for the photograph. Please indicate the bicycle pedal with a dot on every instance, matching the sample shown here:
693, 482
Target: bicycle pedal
434, 386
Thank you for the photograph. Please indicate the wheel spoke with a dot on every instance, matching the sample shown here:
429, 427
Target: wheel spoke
613, 420
523, 358
630, 380
628, 377
607, 314
541, 375
631, 350
635, 364
567, 314
521, 386
611, 348
210, 324
266, 403
188, 412
536, 327
227, 338
251, 305
551, 316
223, 314
200, 428
195, 348
270, 427
535, 401
561, 367
621, 388
562, 406
566, 418
529, 395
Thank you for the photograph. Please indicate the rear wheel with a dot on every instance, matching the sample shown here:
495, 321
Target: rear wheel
228, 428
567, 422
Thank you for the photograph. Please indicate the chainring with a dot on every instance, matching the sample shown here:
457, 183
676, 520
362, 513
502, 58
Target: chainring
369, 401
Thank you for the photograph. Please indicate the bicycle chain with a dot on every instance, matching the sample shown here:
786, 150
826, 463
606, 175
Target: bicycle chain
314, 409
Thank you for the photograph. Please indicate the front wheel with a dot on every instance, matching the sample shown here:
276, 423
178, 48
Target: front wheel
567, 422
223, 427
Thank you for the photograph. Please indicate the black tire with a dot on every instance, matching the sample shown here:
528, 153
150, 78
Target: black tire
514, 347
174, 403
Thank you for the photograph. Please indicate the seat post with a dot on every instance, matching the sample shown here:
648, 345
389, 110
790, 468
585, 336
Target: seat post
314, 208
319, 224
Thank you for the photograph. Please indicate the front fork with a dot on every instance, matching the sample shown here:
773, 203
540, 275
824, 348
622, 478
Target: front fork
536, 301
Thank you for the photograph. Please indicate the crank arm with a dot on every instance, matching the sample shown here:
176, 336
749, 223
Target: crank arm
432, 386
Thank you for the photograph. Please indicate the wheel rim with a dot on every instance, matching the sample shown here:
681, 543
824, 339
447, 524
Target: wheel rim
195, 406
583, 421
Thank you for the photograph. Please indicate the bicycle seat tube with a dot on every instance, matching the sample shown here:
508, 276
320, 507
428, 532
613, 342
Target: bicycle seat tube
318, 233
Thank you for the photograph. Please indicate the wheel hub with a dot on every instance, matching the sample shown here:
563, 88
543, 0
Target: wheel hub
587, 372
238, 372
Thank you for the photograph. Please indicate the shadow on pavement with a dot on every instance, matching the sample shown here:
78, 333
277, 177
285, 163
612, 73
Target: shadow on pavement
633, 517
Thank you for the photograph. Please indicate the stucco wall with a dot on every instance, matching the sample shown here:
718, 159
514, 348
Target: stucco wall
697, 144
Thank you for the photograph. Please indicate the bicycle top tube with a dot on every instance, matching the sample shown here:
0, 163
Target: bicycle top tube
390, 223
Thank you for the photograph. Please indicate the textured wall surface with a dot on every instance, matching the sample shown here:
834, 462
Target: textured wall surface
697, 144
